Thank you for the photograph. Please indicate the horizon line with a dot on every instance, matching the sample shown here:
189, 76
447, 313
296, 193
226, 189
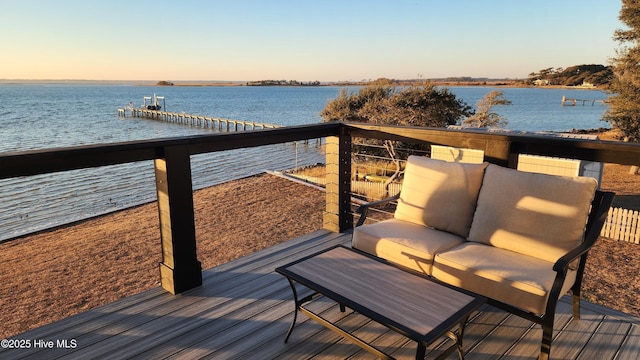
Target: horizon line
448, 78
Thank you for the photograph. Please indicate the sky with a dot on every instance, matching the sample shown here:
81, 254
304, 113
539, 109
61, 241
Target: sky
304, 40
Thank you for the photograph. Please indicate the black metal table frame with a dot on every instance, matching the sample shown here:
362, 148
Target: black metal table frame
447, 328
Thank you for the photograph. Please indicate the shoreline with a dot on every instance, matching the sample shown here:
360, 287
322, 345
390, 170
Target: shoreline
110, 211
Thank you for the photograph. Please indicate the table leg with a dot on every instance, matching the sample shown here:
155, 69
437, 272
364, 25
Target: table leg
457, 338
420, 352
295, 311
463, 324
337, 329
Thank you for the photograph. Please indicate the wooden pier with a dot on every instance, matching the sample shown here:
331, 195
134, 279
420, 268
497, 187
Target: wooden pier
574, 102
195, 120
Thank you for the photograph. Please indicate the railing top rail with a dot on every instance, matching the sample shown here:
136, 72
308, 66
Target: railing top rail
513, 143
33, 162
496, 145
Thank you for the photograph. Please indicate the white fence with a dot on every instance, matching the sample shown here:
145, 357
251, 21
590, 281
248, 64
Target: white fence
622, 225
372, 190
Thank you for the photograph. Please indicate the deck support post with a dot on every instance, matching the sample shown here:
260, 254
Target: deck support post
338, 216
180, 269
501, 153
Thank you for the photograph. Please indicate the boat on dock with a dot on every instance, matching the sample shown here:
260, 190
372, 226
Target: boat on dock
148, 103
153, 102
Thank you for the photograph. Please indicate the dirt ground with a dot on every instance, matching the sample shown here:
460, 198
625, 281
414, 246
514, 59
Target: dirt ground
611, 274
57, 273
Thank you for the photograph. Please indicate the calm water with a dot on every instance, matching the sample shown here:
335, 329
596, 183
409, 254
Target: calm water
536, 109
45, 116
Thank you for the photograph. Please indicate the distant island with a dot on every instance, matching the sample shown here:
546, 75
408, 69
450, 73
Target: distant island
282, 83
580, 76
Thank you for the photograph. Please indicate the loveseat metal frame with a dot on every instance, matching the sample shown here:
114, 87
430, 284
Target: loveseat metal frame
597, 217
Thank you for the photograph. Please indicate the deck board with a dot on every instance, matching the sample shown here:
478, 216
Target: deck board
244, 309
606, 340
630, 349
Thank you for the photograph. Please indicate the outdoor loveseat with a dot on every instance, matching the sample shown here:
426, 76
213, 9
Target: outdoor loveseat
520, 239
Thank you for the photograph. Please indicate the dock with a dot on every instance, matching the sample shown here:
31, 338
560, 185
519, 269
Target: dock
195, 120
573, 102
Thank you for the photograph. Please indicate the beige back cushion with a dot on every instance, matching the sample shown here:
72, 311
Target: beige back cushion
440, 194
533, 214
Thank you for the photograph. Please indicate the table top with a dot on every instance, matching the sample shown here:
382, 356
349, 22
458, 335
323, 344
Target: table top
411, 304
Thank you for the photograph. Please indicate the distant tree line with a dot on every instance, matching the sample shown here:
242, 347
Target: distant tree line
282, 83
597, 75
165, 83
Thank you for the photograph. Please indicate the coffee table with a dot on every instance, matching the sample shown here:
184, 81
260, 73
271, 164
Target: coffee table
415, 306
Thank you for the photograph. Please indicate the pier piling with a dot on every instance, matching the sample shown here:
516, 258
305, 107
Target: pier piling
195, 120
199, 120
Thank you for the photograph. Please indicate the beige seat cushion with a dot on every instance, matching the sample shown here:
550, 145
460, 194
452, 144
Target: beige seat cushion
440, 194
404, 243
512, 278
532, 214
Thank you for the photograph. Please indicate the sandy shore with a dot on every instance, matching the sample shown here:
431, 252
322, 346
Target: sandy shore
55, 274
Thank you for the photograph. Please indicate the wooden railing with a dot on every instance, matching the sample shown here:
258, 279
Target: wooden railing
180, 268
499, 148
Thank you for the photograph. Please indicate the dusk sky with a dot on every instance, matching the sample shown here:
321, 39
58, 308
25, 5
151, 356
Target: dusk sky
326, 40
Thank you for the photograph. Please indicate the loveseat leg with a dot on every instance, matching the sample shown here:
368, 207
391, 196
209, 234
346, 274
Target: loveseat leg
547, 337
576, 307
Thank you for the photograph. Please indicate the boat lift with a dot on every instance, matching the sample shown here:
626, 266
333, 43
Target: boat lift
153, 102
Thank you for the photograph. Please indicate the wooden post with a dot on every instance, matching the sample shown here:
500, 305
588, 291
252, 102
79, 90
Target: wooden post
337, 216
180, 269
500, 153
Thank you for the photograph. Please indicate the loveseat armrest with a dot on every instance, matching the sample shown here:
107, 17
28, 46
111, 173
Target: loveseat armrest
363, 209
563, 263
598, 215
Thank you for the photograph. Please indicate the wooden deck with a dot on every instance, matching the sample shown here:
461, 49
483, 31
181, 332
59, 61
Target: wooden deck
244, 309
